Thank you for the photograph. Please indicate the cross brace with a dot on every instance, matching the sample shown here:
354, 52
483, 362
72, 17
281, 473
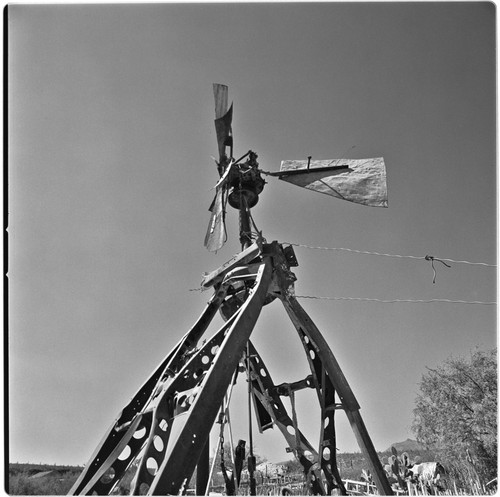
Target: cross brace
165, 428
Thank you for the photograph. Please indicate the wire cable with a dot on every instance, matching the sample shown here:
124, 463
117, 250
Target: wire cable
397, 301
426, 257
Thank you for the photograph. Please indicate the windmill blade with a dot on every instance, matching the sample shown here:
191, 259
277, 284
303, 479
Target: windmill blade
216, 232
223, 120
224, 133
362, 181
220, 96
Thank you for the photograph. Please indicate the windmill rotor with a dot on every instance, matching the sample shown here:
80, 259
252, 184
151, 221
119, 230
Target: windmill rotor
240, 182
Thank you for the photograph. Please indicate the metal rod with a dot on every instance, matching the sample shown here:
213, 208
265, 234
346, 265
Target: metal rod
251, 458
224, 414
215, 456
295, 172
245, 238
231, 445
250, 434
242, 157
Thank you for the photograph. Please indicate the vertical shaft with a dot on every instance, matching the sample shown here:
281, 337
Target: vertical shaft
246, 241
245, 238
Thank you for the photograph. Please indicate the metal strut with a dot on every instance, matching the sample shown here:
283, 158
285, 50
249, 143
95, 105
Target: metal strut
271, 411
166, 425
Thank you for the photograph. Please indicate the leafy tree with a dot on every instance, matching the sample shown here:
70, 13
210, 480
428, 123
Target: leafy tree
456, 413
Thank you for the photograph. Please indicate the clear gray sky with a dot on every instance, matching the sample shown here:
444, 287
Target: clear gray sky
110, 173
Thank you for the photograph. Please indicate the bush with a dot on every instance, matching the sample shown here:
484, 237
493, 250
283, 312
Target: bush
23, 483
456, 414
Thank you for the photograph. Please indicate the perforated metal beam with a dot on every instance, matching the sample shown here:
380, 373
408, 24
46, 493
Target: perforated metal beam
319, 347
105, 467
189, 429
266, 395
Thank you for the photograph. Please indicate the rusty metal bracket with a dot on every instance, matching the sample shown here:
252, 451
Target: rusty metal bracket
284, 389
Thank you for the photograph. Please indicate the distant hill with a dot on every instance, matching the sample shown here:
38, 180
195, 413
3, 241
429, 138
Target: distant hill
406, 446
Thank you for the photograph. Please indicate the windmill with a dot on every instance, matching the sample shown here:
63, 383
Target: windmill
165, 428
357, 180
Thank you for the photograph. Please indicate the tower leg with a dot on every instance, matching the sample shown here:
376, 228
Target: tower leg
193, 418
305, 326
122, 434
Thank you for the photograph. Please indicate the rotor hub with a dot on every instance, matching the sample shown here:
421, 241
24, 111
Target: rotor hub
245, 183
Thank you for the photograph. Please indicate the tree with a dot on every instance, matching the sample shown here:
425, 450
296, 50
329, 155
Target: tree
456, 413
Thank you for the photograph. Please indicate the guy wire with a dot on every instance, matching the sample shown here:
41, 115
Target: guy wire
397, 301
426, 257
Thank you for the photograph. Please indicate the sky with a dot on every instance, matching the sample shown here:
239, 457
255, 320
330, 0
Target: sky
110, 177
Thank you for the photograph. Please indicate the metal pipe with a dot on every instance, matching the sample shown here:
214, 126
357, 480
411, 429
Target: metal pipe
245, 238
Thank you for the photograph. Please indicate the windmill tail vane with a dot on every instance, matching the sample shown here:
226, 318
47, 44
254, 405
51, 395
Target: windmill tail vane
362, 181
164, 433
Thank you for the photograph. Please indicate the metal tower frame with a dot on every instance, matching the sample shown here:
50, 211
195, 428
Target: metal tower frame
166, 426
